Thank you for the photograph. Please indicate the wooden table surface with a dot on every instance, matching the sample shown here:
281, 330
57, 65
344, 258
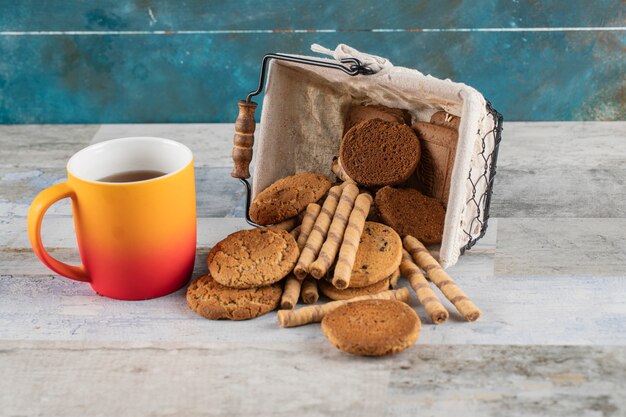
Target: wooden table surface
549, 276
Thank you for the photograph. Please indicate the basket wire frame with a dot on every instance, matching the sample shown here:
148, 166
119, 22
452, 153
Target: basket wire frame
352, 67
349, 66
483, 202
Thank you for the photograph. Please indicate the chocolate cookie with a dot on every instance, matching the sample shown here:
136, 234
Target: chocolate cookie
360, 113
330, 291
288, 197
214, 301
372, 327
379, 255
410, 212
438, 154
442, 118
253, 258
376, 153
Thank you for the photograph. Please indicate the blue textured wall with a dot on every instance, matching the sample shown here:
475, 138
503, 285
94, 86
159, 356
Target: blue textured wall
71, 61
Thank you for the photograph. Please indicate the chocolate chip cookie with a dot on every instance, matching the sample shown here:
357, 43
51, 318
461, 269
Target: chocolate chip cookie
378, 256
288, 197
330, 291
372, 327
253, 258
214, 301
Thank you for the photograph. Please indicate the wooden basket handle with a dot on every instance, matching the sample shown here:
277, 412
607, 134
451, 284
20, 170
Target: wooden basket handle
243, 140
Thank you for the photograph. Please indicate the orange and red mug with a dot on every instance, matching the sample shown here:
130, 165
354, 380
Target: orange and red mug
137, 240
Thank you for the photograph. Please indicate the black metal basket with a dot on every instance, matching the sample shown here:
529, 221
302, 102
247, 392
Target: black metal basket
353, 67
483, 202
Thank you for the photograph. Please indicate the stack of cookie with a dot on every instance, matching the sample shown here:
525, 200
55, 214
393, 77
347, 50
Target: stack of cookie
244, 271
247, 267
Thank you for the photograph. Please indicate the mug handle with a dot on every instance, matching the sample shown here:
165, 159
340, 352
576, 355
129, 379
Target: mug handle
38, 208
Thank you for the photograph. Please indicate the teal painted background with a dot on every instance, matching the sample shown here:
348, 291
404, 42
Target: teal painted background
69, 61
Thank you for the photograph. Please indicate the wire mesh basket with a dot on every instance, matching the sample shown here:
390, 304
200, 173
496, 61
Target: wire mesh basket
482, 201
292, 83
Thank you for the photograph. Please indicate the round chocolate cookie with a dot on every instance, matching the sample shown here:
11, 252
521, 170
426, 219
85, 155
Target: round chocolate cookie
214, 301
253, 258
410, 212
288, 197
378, 256
375, 153
330, 291
372, 327
359, 113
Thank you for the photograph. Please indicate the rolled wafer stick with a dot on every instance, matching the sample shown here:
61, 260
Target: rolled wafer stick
329, 250
314, 314
288, 224
446, 284
351, 239
318, 234
291, 293
347, 182
337, 169
295, 232
394, 278
309, 293
308, 221
425, 294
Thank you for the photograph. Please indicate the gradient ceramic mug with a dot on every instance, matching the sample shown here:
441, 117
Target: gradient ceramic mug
137, 240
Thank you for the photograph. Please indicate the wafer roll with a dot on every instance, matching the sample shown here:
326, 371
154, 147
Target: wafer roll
347, 182
288, 224
329, 250
310, 293
308, 221
337, 169
318, 234
314, 314
351, 239
425, 294
446, 284
291, 293
394, 278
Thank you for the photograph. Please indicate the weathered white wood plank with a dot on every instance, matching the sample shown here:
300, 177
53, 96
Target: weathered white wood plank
509, 381
307, 378
210, 143
19, 185
58, 232
23, 262
218, 194
516, 310
561, 169
561, 247
42, 146
218, 379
